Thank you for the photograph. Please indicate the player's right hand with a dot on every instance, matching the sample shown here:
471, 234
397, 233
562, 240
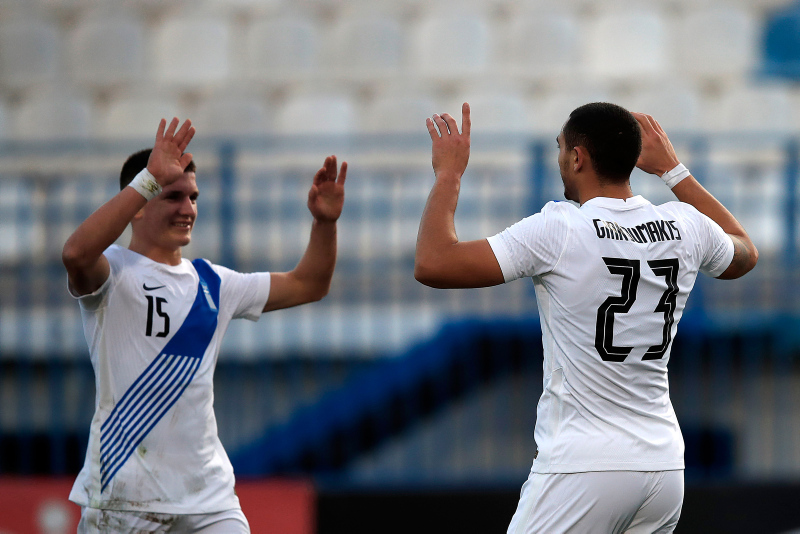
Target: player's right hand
168, 159
657, 156
450, 148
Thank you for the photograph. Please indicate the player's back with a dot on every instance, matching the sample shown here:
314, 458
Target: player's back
611, 288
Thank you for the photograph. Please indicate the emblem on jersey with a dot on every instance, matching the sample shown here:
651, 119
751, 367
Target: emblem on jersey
160, 386
144, 286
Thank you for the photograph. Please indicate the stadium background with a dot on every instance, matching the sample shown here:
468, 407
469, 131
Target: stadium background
390, 406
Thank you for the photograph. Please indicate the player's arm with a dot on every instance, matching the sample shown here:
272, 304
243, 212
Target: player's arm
658, 157
310, 280
82, 254
441, 260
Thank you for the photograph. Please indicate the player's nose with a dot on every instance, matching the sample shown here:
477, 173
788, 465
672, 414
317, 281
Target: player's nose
187, 207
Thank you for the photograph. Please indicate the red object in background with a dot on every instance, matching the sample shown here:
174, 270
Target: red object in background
278, 506
37, 506
41, 506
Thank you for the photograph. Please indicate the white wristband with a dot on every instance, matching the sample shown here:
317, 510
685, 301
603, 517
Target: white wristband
671, 178
145, 184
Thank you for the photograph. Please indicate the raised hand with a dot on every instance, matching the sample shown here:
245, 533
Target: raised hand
657, 156
450, 148
326, 196
168, 159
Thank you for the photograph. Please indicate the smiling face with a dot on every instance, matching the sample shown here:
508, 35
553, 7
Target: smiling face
166, 222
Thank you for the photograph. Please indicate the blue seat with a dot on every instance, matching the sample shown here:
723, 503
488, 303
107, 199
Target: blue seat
781, 44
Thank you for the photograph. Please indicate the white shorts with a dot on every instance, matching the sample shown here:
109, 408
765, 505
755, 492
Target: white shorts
630, 502
95, 521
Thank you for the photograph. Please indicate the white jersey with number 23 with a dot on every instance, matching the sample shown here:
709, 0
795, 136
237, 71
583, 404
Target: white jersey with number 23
611, 278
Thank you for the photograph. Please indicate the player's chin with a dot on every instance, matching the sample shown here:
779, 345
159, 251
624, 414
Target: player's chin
183, 237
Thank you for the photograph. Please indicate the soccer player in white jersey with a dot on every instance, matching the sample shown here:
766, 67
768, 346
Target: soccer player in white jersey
611, 278
154, 322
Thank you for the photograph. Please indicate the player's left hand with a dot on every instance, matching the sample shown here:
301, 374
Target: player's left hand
450, 148
657, 156
168, 160
326, 196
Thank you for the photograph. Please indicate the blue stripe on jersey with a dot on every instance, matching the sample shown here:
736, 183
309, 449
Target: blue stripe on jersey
160, 386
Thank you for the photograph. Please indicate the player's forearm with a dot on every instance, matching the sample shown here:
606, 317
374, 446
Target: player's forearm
315, 269
745, 256
99, 231
437, 231
691, 192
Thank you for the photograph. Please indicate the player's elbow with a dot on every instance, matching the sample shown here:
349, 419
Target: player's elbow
319, 294
753, 257
745, 258
749, 260
427, 274
72, 257
315, 292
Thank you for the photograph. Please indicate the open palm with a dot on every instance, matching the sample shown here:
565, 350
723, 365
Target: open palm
168, 159
326, 196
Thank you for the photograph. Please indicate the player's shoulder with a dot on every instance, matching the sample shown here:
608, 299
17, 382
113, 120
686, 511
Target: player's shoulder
206, 265
681, 211
203, 262
224, 273
551, 223
559, 211
123, 258
553, 213
692, 223
116, 252
561, 207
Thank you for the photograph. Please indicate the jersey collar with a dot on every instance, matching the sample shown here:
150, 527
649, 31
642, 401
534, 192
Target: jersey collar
619, 204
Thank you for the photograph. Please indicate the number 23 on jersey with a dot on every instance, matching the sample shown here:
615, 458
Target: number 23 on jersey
630, 271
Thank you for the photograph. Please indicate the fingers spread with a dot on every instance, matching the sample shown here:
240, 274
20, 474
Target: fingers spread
187, 137
342, 174
184, 129
452, 125
319, 177
331, 165
431, 129
186, 158
160, 132
441, 125
172, 126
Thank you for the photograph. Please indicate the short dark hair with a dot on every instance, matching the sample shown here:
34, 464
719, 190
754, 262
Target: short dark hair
138, 161
611, 136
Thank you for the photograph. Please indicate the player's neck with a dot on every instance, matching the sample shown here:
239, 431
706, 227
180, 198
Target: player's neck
157, 254
607, 190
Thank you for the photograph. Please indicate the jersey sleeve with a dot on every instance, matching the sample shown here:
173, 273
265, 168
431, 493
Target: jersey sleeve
534, 245
717, 247
245, 293
94, 301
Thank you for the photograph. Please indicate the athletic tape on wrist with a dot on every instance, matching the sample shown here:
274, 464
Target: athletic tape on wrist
671, 178
145, 184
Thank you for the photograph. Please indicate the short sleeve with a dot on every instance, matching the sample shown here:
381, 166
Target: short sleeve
534, 245
245, 293
717, 247
92, 302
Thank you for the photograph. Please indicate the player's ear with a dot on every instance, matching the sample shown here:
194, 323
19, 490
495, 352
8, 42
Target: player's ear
579, 158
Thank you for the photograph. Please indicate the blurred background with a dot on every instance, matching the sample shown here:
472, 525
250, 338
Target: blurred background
390, 406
